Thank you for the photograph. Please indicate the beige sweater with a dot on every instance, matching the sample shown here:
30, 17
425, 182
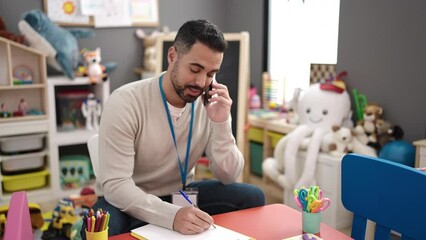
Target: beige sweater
138, 159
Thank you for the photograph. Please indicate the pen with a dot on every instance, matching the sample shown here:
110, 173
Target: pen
189, 200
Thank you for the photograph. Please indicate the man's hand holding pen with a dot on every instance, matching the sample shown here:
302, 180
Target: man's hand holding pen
191, 220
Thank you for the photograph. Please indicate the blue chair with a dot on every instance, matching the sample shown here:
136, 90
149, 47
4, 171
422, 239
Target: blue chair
390, 194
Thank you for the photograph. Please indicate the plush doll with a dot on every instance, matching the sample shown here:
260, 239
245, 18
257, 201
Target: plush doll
94, 69
337, 142
387, 132
59, 45
318, 109
150, 52
291, 107
366, 128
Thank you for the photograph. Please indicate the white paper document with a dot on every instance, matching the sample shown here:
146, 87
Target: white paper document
307, 236
153, 232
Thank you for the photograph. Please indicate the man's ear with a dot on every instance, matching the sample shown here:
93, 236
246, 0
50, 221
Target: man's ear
171, 55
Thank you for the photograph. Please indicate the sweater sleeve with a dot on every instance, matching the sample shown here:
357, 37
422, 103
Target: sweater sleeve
226, 159
119, 123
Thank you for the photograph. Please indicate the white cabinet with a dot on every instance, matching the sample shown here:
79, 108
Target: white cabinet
62, 137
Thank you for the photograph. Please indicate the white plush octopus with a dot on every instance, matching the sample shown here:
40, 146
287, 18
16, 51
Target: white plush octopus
318, 110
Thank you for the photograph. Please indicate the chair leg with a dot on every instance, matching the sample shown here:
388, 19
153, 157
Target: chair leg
382, 232
359, 224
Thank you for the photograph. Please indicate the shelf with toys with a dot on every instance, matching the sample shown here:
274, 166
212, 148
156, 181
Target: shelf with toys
69, 131
22, 83
24, 125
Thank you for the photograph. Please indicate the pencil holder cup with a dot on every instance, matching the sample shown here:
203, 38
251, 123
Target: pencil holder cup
102, 235
311, 222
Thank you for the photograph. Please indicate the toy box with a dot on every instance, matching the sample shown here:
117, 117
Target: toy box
74, 170
69, 113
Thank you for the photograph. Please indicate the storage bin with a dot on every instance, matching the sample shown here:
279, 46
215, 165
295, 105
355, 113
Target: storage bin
256, 158
22, 143
27, 181
22, 162
255, 134
275, 137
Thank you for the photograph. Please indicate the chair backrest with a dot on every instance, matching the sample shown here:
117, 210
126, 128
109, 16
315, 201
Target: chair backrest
92, 145
390, 194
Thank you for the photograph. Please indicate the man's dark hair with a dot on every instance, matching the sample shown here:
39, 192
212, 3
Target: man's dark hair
202, 31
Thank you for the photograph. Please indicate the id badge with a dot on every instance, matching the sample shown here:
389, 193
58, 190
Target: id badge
179, 200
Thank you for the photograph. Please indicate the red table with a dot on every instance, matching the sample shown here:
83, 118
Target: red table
270, 222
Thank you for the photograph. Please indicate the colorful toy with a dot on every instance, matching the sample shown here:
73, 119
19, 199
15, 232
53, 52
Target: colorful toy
63, 218
3, 111
91, 109
94, 69
75, 170
58, 44
367, 126
35, 216
360, 103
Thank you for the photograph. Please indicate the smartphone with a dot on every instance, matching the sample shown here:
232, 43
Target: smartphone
207, 96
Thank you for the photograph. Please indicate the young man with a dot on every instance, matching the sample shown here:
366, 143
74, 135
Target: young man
153, 131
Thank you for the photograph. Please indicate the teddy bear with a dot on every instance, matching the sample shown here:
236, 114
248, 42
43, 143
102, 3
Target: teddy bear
387, 132
365, 130
94, 69
337, 142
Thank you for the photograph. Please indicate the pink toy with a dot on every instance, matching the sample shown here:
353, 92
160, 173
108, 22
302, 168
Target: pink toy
18, 225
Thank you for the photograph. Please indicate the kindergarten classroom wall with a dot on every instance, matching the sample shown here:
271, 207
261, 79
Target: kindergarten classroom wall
122, 46
382, 45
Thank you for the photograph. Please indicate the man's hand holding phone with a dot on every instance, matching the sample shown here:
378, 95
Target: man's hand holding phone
217, 102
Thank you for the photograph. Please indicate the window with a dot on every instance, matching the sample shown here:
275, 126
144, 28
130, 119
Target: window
301, 32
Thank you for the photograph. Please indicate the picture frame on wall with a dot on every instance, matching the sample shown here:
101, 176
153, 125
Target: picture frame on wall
103, 13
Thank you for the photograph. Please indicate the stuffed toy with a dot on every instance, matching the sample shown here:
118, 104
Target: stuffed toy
94, 69
59, 45
150, 52
291, 106
318, 110
387, 132
9, 35
337, 142
366, 128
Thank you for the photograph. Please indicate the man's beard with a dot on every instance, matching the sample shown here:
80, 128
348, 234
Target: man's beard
180, 90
